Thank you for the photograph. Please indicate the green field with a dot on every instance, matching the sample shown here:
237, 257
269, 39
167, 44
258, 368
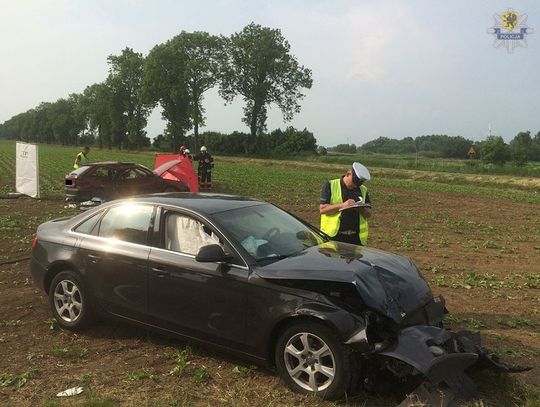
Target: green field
414, 162
293, 180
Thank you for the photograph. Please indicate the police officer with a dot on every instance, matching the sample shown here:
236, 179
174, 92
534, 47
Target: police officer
345, 206
206, 164
82, 157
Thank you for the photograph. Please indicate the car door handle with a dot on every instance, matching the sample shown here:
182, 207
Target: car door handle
160, 272
94, 258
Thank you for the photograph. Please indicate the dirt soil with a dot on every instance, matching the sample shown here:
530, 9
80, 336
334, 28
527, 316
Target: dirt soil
483, 255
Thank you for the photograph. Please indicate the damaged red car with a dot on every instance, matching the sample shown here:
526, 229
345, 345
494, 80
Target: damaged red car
243, 275
111, 180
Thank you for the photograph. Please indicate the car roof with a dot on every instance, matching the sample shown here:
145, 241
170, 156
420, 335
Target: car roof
203, 203
112, 164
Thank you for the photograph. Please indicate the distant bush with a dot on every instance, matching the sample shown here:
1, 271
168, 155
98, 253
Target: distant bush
277, 143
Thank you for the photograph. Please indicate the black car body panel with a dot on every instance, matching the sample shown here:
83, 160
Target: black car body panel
387, 282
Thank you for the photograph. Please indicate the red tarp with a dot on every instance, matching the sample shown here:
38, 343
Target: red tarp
176, 167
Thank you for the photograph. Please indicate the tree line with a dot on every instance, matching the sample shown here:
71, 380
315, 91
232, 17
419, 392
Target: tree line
274, 144
254, 64
494, 150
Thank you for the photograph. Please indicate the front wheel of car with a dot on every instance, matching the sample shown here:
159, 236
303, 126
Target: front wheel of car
69, 300
312, 360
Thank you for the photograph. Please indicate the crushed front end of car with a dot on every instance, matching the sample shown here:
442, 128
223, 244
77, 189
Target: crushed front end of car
430, 363
402, 339
410, 342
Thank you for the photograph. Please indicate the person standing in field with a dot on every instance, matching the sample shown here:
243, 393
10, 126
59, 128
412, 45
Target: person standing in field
345, 206
82, 157
206, 165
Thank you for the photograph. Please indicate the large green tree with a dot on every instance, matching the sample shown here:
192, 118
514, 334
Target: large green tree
165, 81
178, 73
261, 70
128, 110
494, 150
205, 56
97, 103
65, 121
535, 148
520, 148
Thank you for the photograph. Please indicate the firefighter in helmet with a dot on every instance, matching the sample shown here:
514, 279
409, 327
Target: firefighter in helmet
206, 165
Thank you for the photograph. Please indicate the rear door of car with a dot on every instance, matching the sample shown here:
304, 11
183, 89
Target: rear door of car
100, 182
202, 300
115, 255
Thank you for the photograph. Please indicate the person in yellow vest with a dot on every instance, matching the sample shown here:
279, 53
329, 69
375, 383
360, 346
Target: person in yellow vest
82, 157
345, 206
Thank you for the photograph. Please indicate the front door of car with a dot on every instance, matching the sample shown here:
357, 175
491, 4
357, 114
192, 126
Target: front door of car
202, 300
135, 181
115, 258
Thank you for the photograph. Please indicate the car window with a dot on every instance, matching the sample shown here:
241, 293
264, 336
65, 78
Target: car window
88, 225
267, 232
102, 172
145, 172
127, 222
187, 235
133, 173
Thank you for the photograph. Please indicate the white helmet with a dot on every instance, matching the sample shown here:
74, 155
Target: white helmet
203, 148
187, 151
360, 172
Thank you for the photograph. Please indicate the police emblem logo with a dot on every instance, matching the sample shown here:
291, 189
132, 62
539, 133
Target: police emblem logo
510, 30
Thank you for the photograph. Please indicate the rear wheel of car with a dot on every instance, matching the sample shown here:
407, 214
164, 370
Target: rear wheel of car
312, 360
69, 300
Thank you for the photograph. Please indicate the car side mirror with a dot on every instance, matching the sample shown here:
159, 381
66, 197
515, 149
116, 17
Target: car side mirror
212, 253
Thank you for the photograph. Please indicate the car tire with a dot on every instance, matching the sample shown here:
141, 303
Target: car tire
311, 360
69, 301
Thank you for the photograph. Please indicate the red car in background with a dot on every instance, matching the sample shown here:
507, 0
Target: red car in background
111, 180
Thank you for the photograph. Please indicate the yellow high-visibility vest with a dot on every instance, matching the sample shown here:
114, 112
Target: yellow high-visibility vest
80, 157
330, 222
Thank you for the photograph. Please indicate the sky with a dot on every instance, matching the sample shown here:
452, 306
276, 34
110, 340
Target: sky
380, 68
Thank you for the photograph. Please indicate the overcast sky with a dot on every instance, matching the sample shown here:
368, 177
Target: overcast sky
380, 68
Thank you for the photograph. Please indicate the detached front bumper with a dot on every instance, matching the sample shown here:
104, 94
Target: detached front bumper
442, 358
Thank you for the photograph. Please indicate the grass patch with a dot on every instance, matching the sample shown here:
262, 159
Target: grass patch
11, 322
200, 373
19, 380
182, 361
138, 375
10, 222
243, 371
65, 353
518, 323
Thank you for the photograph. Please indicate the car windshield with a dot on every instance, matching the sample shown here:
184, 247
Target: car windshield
268, 233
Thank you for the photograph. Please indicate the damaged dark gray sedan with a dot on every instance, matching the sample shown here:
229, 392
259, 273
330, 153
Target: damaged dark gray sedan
248, 277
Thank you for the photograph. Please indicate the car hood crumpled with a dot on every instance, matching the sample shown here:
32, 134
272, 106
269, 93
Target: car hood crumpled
388, 283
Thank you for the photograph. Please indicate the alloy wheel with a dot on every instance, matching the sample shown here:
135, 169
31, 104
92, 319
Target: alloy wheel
68, 301
309, 362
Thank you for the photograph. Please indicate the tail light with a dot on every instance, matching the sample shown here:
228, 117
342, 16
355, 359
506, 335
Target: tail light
34, 242
70, 182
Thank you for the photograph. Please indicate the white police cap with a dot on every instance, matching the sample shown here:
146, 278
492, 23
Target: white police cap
361, 172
